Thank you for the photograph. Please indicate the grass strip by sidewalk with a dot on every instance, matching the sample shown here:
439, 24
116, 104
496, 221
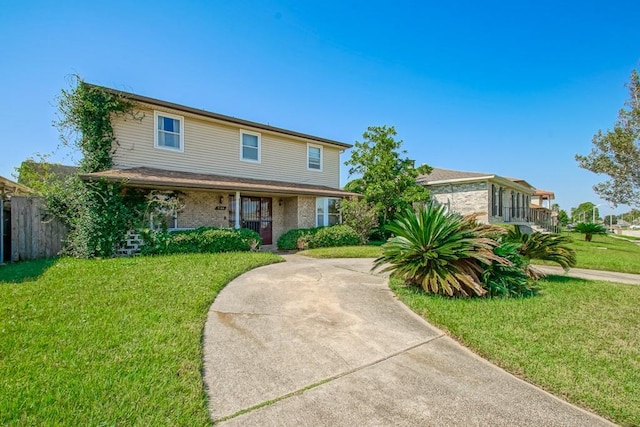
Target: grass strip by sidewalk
109, 342
605, 253
580, 340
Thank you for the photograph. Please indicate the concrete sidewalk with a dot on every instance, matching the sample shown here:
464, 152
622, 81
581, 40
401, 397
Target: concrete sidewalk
325, 343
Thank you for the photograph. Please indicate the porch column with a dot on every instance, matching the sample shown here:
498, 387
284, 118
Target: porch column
237, 218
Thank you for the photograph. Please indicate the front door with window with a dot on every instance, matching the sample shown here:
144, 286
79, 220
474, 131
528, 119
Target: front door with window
255, 214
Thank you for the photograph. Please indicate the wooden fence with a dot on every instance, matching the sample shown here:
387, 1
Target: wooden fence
34, 232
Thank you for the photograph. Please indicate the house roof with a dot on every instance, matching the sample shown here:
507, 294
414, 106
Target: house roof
10, 188
221, 117
159, 178
545, 193
448, 176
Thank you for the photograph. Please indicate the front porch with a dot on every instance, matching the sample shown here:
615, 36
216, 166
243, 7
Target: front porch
268, 207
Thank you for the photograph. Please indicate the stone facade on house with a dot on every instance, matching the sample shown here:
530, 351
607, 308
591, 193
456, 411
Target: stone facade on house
469, 198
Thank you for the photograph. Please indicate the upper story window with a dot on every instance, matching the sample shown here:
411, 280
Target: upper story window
169, 133
314, 157
250, 146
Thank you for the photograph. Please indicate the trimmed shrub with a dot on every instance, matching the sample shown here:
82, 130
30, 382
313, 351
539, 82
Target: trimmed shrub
200, 240
289, 240
336, 235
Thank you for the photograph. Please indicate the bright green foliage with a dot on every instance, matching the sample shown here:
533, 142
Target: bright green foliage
547, 247
563, 217
318, 237
336, 235
387, 180
585, 212
289, 240
508, 280
444, 253
359, 215
200, 240
617, 152
589, 229
97, 214
85, 123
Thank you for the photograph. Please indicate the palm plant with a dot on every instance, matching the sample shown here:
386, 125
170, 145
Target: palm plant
546, 247
589, 229
508, 280
441, 252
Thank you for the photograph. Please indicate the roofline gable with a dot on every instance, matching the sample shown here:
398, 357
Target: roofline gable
220, 117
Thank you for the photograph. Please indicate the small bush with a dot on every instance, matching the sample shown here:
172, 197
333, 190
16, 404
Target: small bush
200, 240
289, 240
336, 235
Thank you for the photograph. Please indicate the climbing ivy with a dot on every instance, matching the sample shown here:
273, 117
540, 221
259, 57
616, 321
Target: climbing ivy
85, 113
97, 213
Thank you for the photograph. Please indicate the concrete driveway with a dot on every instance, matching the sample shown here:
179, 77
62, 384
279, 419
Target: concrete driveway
325, 343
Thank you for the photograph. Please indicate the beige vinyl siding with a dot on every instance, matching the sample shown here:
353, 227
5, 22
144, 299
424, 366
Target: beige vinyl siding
214, 147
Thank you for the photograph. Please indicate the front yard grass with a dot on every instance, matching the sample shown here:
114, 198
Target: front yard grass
365, 251
605, 253
109, 342
578, 339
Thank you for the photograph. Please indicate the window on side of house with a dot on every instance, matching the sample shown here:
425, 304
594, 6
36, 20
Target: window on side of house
169, 131
327, 211
250, 146
494, 200
314, 157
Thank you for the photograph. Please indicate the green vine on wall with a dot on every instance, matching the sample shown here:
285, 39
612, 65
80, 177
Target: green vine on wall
98, 214
85, 113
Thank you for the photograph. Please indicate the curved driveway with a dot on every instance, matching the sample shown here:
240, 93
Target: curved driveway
313, 342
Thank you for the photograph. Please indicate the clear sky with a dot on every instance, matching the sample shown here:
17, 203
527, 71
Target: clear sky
515, 88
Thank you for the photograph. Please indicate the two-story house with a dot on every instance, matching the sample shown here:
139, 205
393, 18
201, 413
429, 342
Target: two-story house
228, 172
493, 198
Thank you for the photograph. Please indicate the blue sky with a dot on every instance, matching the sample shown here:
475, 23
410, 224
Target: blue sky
512, 88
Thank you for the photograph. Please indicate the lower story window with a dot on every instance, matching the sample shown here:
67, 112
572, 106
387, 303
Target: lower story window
327, 211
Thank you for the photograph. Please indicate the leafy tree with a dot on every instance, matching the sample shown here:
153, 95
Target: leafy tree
610, 219
617, 152
387, 178
589, 229
584, 212
359, 215
563, 217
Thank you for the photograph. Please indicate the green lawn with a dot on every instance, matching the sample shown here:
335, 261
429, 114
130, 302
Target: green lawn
602, 253
580, 340
109, 342
367, 251
605, 253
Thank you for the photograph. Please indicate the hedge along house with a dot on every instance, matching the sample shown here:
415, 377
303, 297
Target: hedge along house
227, 172
493, 198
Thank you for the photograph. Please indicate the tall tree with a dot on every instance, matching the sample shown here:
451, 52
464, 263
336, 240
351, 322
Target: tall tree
387, 177
617, 152
585, 212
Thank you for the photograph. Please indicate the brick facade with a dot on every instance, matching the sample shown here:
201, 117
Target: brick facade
287, 212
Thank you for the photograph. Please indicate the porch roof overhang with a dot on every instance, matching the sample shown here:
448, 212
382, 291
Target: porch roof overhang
9, 188
143, 177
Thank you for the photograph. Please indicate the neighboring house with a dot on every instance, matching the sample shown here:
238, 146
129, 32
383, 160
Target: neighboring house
493, 198
229, 172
